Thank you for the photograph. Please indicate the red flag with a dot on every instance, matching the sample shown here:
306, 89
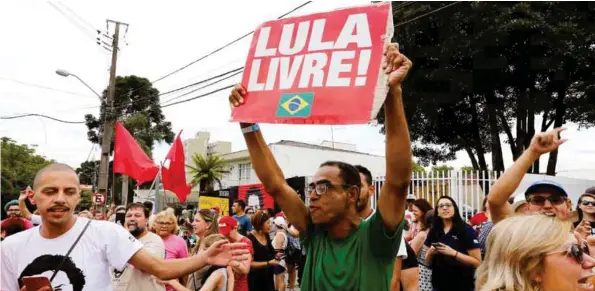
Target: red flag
173, 172
130, 159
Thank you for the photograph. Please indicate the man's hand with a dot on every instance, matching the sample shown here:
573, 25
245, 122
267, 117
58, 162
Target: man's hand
545, 142
396, 65
223, 253
236, 97
584, 229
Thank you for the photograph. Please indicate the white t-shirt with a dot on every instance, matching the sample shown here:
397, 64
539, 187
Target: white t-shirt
36, 219
104, 244
133, 279
402, 252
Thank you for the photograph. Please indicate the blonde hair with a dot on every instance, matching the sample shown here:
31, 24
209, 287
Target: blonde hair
166, 215
516, 247
209, 240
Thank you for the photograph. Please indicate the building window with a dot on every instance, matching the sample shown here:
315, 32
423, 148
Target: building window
244, 171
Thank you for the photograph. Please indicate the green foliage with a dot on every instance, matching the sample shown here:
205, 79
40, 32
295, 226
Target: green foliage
85, 202
416, 168
482, 69
88, 172
440, 169
467, 168
138, 110
19, 165
207, 170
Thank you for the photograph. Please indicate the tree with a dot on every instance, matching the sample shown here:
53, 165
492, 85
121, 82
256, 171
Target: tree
136, 106
85, 202
207, 170
442, 169
19, 166
481, 66
416, 168
88, 172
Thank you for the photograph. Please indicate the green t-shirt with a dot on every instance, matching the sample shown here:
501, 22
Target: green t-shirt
364, 260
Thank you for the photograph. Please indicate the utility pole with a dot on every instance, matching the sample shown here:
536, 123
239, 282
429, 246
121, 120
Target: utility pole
110, 118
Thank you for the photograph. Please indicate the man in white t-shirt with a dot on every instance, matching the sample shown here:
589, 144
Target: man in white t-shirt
365, 210
130, 278
40, 250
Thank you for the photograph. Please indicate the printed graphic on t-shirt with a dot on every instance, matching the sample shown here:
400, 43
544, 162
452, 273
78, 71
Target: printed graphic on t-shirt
70, 277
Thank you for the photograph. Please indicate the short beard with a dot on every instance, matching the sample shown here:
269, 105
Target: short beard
137, 231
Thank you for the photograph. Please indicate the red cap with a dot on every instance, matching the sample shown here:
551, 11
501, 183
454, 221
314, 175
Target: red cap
280, 214
226, 225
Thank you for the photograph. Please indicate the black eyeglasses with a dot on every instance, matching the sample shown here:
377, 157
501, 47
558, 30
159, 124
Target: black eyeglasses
587, 203
322, 188
575, 251
540, 200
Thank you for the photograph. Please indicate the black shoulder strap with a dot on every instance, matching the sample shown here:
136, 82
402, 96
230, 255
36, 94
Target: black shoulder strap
69, 251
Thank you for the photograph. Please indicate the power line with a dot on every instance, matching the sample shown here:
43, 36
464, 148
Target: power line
427, 14
77, 16
44, 87
202, 87
199, 96
41, 115
72, 21
200, 82
226, 87
223, 47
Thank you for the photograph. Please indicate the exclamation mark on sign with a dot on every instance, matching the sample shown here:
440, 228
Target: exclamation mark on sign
362, 67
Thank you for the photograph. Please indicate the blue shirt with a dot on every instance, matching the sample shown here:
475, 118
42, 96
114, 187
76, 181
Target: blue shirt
244, 225
447, 272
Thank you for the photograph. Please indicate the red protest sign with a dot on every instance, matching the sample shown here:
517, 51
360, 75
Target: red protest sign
322, 68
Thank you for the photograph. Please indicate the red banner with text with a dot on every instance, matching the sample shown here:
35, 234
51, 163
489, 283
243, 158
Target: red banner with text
322, 68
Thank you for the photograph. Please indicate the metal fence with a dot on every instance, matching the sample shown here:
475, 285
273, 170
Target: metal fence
467, 188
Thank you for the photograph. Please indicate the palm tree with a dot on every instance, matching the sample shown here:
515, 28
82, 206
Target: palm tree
207, 170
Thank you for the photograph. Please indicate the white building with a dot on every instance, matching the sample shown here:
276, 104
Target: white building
299, 159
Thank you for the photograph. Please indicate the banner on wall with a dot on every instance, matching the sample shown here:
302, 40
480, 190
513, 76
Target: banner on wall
323, 68
255, 196
219, 199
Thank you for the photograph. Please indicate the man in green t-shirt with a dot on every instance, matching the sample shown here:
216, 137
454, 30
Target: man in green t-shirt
345, 252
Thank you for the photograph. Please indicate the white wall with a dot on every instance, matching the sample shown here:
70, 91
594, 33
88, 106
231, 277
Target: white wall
300, 161
233, 179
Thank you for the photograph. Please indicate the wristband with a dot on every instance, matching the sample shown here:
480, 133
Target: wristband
252, 128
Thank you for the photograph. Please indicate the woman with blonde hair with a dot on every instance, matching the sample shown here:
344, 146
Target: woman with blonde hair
166, 226
216, 278
535, 253
204, 225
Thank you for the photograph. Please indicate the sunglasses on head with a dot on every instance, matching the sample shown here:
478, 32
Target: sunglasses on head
587, 203
575, 251
540, 200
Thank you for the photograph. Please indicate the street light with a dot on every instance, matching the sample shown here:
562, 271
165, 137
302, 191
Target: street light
65, 73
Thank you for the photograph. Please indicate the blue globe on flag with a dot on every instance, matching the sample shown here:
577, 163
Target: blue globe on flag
294, 104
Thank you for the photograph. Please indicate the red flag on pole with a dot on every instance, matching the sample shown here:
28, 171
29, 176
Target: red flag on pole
130, 159
173, 172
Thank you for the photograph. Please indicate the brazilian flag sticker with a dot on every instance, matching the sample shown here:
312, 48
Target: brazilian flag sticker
295, 105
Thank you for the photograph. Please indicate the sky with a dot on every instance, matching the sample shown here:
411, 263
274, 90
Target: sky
163, 36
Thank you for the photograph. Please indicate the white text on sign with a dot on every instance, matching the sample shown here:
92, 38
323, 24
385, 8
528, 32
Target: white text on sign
317, 62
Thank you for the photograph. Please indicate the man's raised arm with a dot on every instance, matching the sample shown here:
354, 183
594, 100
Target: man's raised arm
393, 193
511, 179
268, 170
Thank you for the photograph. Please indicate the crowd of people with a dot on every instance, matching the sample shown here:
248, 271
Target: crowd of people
338, 242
